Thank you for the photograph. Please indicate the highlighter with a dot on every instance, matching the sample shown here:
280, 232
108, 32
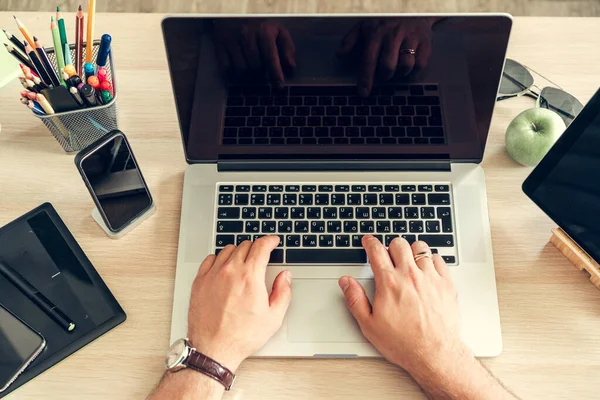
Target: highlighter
104, 50
106, 85
93, 82
105, 96
88, 69
102, 74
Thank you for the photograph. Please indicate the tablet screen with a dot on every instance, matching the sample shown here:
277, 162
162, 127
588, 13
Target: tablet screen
566, 184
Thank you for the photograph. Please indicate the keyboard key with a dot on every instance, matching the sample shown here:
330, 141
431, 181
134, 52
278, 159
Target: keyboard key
297, 213
419, 199
367, 227
310, 101
224, 240
342, 240
411, 212
433, 131
427, 212
378, 237
402, 199
326, 241
375, 188
399, 226
269, 227
386, 199
284, 121
290, 199
325, 101
309, 240
374, 121
378, 213
275, 188
309, 188
383, 227
306, 131
252, 226
231, 132
425, 188
301, 226
395, 212
322, 199
438, 199
305, 199
398, 131
443, 213
265, 212
363, 213
309, 141
410, 238
325, 256
314, 213
354, 199
317, 226
442, 188
350, 226
391, 188
292, 240
242, 238
370, 199
325, 188
359, 188
313, 121
285, 226
438, 240
416, 226
228, 213
281, 212
225, 199
241, 199
357, 240
432, 226
416, 90
249, 212
334, 226
257, 199
389, 239
409, 188
338, 199
292, 188
346, 213
404, 121
389, 121
330, 213
273, 199
449, 259
226, 188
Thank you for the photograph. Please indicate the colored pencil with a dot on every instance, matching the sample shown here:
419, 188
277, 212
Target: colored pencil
45, 104
39, 67
25, 32
79, 41
23, 59
63, 34
89, 49
67, 51
15, 40
46, 62
58, 50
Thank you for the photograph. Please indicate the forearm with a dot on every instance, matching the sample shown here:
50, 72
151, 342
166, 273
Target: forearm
464, 377
187, 385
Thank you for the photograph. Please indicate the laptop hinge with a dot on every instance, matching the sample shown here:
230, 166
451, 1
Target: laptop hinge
321, 165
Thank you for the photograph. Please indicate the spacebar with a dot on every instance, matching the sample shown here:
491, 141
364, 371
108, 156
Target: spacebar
325, 256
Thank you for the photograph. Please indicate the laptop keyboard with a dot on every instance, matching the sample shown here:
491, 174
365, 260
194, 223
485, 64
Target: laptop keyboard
321, 115
324, 224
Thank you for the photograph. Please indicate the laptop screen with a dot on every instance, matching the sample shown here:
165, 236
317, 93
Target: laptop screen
335, 88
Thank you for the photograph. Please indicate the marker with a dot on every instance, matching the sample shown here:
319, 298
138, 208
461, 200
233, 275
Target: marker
89, 95
105, 96
74, 81
79, 41
90, 31
45, 104
76, 96
79, 86
36, 297
58, 49
93, 82
46, 61
104, 50
102, 74
89, 69
14, 40
70, 70
63, 36
106, 85
17, 54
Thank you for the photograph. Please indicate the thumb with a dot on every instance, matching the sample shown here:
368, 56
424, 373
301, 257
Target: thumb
356, 298
281, 295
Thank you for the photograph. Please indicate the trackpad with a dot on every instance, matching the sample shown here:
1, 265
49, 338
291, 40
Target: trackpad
318, 312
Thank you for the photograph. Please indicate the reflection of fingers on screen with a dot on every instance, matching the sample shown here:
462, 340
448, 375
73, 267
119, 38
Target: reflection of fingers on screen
287, 47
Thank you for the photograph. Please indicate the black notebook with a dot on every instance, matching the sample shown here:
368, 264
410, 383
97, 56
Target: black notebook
40, 247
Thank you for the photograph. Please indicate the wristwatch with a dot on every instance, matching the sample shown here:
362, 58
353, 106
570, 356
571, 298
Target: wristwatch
183, 355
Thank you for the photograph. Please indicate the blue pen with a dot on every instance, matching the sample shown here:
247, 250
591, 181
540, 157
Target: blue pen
103, 50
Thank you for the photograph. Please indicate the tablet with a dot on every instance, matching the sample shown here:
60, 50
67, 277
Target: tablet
566, 183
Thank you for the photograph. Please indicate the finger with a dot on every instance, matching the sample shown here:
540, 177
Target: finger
259, 254
370, 57
286, 47
356, 299
223, 256
440, 266
270, 56
389, 53
406, 62
349, 40
423, 54
238, 60
281, 296
378, 255
402, 255
425, 264
207, 265
241, 252
250, 51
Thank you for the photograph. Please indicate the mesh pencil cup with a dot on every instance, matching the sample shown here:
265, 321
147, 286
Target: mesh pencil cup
75, 130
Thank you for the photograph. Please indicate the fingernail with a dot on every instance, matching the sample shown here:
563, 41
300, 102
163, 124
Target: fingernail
344, 283
288, 277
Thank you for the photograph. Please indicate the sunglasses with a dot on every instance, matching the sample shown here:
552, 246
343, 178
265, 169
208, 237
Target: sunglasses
517, 81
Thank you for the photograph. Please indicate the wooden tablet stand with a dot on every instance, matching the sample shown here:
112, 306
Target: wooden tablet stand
576, 255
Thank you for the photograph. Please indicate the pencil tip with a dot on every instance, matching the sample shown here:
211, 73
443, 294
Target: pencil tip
34, 39
51, 19
79, 9
57, 8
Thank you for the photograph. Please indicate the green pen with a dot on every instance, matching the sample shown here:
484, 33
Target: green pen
58, 50
63, 33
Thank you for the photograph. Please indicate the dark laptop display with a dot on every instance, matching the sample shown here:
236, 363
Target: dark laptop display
327, 88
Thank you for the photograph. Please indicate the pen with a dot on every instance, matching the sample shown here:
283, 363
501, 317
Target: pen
45, 104
46, 62
58, 49
88, 69
105, 96
90, 31
35, 296
89, 95
93, 82
63, 35
79, 41
17, 54
106, 86
102, 74
14, 40
103, 51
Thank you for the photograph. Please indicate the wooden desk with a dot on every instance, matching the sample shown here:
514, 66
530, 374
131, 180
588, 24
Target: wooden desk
550, 312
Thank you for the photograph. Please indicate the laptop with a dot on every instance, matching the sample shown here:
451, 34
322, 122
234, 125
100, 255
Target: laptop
321, 129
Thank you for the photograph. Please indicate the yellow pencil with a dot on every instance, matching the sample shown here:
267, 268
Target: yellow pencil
25, 32
89, 47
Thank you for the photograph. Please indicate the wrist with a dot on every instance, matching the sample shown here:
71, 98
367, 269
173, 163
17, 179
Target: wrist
443, 365
226, 357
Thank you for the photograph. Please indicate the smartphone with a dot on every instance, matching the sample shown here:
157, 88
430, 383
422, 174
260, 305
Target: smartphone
115, 181
19, 346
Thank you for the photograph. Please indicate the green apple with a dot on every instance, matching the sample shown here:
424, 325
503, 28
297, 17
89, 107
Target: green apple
531, 134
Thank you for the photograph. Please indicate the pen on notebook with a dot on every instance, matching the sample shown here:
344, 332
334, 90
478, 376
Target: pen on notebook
38, 298
58, 49
62, 31
103, 51
90, 31
46, 62
39, 67
15, 41
79, 41
23, 59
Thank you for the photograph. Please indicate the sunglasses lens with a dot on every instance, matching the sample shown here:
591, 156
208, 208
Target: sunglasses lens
561, 102
515, 78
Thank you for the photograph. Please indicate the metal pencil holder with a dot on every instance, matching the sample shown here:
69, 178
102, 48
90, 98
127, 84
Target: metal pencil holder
75, 130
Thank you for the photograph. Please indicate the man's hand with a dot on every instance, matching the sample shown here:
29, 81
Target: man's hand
231, 314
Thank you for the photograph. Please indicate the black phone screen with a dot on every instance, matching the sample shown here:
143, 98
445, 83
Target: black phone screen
117, 183
18, 344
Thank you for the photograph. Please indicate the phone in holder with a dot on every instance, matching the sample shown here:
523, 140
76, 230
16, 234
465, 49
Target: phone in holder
19, 346
116, 184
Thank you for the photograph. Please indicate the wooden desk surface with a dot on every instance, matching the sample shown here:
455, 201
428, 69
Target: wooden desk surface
550, 312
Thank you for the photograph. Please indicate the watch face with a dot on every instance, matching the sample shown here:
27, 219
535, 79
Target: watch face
176, 354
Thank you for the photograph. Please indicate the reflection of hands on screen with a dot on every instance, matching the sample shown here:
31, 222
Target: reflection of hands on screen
380, 44
254, 45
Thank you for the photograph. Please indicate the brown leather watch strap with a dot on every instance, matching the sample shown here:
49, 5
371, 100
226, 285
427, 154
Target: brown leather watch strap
206, 365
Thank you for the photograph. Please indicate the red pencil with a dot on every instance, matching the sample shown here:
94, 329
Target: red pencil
79, 41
